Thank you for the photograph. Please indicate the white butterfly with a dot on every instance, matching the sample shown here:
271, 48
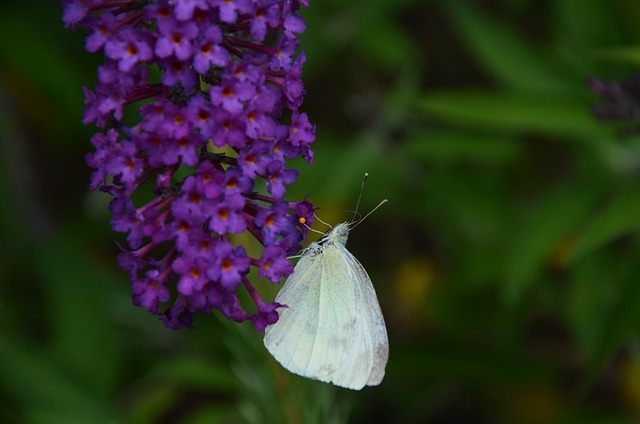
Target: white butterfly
333, 329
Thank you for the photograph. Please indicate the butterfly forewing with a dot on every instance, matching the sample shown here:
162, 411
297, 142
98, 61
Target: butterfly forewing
337, 324
290, 340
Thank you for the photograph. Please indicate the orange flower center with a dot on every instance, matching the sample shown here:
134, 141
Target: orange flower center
226, 265
269, 222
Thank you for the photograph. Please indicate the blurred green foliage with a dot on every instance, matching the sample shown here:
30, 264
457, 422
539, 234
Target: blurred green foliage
506, 261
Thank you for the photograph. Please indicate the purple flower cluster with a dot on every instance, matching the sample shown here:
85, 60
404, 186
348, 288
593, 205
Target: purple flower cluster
621, 102
220, 82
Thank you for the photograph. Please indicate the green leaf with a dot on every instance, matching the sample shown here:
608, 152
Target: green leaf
556, 115
46, 392
449, 146
387, 46
624, 315
79, 301
532, 249
338, 169
629, 55
152, 403
620, 325
210, 414
592, 291
441, 359
196, 372
587, 23
503, 52
621, 217
45, 81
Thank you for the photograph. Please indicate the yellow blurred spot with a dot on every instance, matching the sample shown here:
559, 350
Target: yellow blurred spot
534, 405
629, 381
412, 284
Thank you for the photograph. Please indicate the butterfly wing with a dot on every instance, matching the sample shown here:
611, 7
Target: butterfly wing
292, 339
371, 329
333, 329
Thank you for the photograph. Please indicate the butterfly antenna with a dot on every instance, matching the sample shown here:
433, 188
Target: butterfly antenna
372, 211
355, 212
303, 222
321, 221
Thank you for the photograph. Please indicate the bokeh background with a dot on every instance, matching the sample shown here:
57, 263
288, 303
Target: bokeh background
506, 261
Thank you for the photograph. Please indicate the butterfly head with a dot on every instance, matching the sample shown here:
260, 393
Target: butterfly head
337, 234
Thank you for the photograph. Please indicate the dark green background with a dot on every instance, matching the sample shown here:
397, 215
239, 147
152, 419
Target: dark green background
506, 260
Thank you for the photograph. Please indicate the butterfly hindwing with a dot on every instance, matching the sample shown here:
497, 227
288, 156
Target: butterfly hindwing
372, 325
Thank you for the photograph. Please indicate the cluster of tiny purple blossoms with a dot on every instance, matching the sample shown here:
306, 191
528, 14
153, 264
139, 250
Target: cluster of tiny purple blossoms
620, 102
221, 91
